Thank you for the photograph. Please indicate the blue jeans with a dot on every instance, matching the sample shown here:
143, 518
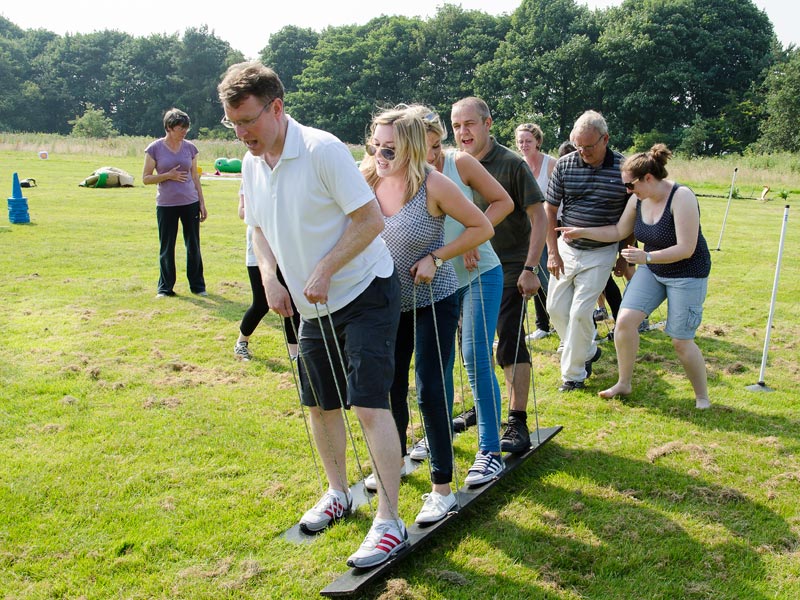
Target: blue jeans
189, 218
434, 403
480, 305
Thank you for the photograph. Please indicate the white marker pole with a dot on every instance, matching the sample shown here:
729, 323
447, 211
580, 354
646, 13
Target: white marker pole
761, 386
725, 218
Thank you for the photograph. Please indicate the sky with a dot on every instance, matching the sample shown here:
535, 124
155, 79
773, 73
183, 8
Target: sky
247, 27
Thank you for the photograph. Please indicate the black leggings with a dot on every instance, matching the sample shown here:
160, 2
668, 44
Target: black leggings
613, 296
259, 308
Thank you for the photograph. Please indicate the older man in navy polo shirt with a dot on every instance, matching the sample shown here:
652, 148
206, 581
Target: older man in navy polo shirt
588, 186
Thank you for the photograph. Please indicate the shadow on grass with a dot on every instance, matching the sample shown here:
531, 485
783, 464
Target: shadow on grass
216, 304
654, 392
607, 533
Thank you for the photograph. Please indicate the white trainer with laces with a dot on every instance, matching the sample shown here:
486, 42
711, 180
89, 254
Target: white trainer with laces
435, 507
539, 334
333, 506
420, 450
371, 481
385, 539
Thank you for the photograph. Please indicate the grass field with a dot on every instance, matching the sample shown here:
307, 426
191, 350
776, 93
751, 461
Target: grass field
138, 459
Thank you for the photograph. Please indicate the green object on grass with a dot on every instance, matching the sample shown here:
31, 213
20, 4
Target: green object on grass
228, 165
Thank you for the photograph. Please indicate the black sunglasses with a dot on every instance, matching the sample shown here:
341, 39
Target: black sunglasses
387, 153
629, 185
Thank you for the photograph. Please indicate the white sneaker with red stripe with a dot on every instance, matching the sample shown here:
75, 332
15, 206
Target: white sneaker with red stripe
385, 539
333, 506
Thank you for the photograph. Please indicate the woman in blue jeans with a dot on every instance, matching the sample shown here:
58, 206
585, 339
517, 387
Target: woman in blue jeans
414, 200
480, 288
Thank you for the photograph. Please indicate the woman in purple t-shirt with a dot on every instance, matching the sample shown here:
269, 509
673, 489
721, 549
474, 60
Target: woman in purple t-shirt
171, 162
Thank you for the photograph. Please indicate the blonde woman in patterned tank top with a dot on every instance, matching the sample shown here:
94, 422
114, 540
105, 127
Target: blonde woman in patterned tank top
415, 199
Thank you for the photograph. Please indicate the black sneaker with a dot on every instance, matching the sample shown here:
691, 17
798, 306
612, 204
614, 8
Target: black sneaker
465, 420
516, 437
591, 361
569, 386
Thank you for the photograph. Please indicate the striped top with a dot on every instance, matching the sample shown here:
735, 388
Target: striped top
589, 196
411, 234
661, 234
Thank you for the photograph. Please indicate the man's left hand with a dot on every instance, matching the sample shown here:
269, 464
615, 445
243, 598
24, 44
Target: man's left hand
317, 287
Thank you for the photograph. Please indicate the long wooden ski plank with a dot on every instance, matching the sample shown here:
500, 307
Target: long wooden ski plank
353, 580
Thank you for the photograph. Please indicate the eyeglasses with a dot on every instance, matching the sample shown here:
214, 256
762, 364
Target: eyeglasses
245, 123
630, 184
387, 153
590, 147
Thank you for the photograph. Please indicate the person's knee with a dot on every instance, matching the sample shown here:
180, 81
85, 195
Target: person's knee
628, 320
368, 416
682, 347
581, 317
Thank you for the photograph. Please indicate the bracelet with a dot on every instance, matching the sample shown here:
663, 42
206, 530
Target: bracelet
534, 270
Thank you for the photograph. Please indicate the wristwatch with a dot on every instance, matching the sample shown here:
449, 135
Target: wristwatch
438, 262
534, 269
647, 258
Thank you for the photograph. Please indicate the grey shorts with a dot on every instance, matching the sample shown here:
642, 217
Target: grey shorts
365, 333
684, 295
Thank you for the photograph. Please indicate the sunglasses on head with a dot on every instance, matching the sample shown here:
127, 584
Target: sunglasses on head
387, 153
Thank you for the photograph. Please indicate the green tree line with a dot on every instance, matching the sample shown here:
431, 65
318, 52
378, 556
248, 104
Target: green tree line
705, 76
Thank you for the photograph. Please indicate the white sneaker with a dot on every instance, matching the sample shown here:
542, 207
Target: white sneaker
435, 507
537, 335
385, 539
560, 348
371, 481
333, 506
420, 450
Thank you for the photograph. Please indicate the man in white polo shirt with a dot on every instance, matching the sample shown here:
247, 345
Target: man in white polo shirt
314, 216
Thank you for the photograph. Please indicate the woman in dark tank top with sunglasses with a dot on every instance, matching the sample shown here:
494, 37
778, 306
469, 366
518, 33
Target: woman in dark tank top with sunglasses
674, 264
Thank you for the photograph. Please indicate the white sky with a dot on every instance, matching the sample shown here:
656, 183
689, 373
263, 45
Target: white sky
248, 25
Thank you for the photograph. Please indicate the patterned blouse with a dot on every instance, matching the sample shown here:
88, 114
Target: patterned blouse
412, 234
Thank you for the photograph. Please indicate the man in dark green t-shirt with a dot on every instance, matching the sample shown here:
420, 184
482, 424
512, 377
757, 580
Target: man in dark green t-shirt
518, 241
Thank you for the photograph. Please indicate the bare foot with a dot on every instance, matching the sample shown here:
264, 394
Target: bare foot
614, 391
702, 403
